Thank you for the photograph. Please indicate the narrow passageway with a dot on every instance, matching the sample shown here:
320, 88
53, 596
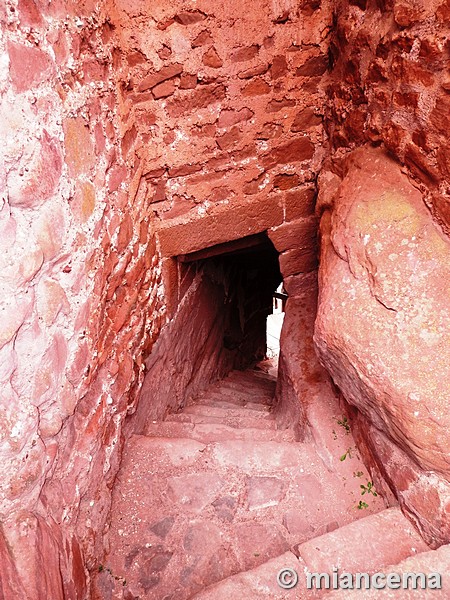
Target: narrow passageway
214, 492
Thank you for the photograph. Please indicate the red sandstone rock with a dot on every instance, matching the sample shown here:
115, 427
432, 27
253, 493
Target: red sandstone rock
31, 188
295, 151
231, 117
165, 73
244, 54
212, 59
29, 66
375, 259
256, 87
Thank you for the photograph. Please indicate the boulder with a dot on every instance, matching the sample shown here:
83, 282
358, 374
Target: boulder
382, 326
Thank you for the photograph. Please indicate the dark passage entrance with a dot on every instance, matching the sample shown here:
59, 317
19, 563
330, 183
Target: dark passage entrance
224, 295
249, 270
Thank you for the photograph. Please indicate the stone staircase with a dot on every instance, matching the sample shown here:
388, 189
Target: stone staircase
212, 502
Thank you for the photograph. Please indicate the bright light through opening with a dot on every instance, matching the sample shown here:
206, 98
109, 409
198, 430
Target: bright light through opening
274, 324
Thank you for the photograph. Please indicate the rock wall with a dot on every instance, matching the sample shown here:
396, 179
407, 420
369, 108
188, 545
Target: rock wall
137, 131
382, 330
80, 302
120, 118
390, 85
228, 103
381, 255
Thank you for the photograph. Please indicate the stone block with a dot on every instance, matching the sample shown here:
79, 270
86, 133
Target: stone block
298, 260
256, 87
297, 150
301, 233
215, 228
167, 72
79, 149
212, 59
228, 118
28, 66
243, 54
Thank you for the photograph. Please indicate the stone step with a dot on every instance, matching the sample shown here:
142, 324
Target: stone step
251, 374
259, 583
225, 412
218, 402
189, 513
364, 546
233, 398
428, 563
368, 545
215, 432
241, 422
253, 386
238, 394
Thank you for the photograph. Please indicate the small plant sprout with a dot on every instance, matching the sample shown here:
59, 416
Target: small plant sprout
362, 505
344, 456
345, 424
368, 489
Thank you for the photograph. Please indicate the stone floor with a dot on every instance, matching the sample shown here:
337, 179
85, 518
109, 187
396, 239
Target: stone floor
212, 502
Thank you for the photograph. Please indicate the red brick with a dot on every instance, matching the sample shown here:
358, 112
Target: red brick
212, 59
256, 87
285, 182
28, 66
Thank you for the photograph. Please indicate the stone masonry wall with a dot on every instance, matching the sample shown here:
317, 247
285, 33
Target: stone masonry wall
79, 302
391, 85
119, 118
228, 106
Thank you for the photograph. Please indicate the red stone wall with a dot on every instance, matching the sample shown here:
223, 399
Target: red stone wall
117, 119
80, 301
227, 102
391, 85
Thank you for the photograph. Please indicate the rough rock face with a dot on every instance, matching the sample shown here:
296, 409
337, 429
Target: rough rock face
382, 328
390, 85
76, 291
